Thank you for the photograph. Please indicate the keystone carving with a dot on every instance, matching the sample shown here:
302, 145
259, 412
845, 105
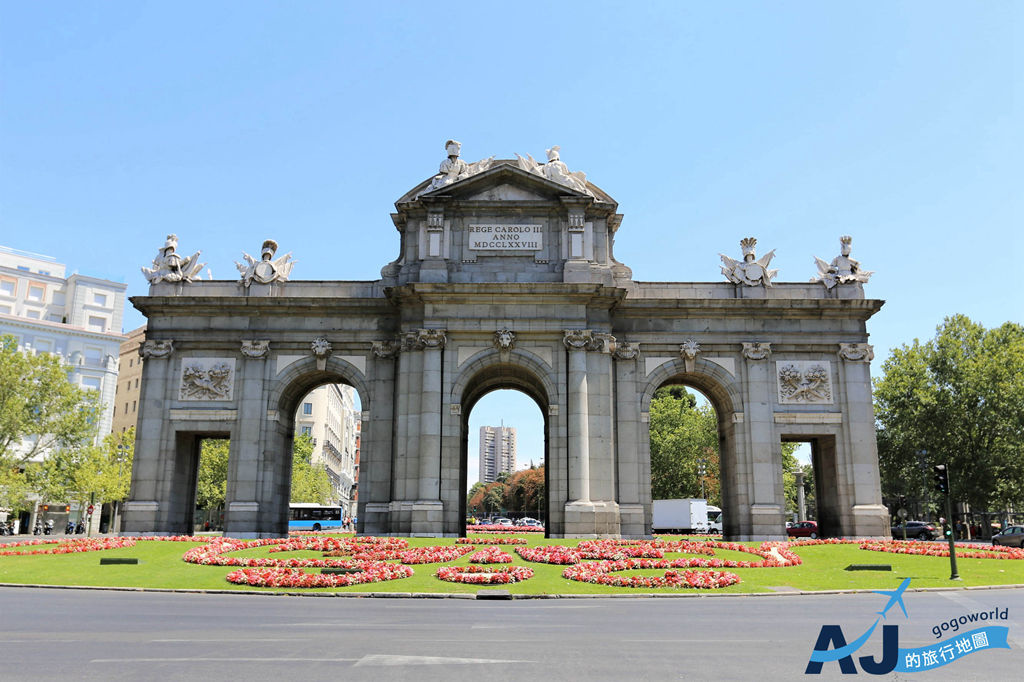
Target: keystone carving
857, 352
321, 349
156, 349
256, 349
689, 350
756, 350
504, 340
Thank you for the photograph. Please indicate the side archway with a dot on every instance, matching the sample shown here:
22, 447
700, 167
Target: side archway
723, 391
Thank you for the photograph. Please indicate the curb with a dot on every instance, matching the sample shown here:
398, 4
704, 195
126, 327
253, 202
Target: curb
473, 596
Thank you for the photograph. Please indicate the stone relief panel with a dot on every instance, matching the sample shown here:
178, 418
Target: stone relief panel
804, 382
207, 379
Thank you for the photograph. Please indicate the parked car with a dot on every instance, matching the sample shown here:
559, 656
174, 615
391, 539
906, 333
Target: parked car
1013, 536
502, 522
527, 521
916, 530
803, 529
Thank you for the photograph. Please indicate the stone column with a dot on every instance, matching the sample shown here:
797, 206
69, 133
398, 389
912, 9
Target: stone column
427, 516
631, 472
764, 465
243, 509
376, 464
577, 342
860, 456
146, 510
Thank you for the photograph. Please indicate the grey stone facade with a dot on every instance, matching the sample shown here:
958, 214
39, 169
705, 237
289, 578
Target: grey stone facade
589, 344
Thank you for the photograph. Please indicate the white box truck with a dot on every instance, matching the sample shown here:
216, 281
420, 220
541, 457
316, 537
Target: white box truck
680, 516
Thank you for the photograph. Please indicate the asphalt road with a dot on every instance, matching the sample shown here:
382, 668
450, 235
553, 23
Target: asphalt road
51, 634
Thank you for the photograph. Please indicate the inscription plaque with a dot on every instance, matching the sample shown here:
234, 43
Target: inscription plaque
506, 237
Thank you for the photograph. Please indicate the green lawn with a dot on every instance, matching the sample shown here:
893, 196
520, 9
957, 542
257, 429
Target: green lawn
160, 566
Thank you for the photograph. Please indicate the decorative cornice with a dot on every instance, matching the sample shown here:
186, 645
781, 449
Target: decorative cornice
255, 349
156, 349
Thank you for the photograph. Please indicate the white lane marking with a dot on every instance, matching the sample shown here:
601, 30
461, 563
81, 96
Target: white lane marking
236, 640
200, 659
389, 660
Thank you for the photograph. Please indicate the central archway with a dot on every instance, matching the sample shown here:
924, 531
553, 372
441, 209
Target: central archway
495, 371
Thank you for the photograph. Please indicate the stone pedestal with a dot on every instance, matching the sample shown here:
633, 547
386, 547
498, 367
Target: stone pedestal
591, 519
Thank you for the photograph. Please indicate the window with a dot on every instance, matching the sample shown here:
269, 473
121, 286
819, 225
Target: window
99, 299
44, 272
8, 287
93, 356
53, 318
35, 292
97, 324
44, 346
307, 430
136, 382
133, 405
24, 268
6, 309
58, 298
32, 314
92, 383
307, 408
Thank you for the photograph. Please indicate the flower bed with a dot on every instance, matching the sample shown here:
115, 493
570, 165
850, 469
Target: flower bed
490, 541
432, 555
484, 575
371, 572
68, 546
942, 549
550, 554
490, 555
212, 554
598, 573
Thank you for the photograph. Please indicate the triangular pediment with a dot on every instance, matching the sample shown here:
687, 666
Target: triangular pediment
504, 181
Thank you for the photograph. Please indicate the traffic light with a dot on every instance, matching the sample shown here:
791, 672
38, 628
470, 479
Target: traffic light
941, 476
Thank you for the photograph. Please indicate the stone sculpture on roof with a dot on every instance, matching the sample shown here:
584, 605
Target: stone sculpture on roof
842, 269
555, 170
168, 266
454, 169
267, 269
749, 271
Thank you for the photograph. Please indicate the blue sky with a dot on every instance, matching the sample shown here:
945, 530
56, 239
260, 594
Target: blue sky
226, 123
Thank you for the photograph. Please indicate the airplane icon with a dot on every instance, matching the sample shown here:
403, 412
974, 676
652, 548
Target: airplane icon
895, 597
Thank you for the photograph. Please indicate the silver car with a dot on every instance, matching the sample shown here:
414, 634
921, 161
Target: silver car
1013, 536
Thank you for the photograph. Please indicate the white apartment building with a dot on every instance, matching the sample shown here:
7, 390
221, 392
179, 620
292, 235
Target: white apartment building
497, 451
328, 414
76, 317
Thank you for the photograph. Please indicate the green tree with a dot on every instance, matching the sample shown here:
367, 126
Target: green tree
957, 399
683, 433
310, 482
41, 412
89, 473
473, 490
212, 481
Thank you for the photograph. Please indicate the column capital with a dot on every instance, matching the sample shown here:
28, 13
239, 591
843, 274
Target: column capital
425, 339
255, 349
756, 350
386, 349
156, 349
856, 352
626, 351
577, 339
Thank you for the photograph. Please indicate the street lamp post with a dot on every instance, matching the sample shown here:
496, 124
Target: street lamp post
702, 470
800, 502
121, 450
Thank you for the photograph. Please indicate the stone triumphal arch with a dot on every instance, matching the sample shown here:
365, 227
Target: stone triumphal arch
505, 278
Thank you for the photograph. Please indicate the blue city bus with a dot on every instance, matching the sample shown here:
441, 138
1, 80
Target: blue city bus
309, 516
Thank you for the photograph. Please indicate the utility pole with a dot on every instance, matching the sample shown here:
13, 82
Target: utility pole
940, 472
